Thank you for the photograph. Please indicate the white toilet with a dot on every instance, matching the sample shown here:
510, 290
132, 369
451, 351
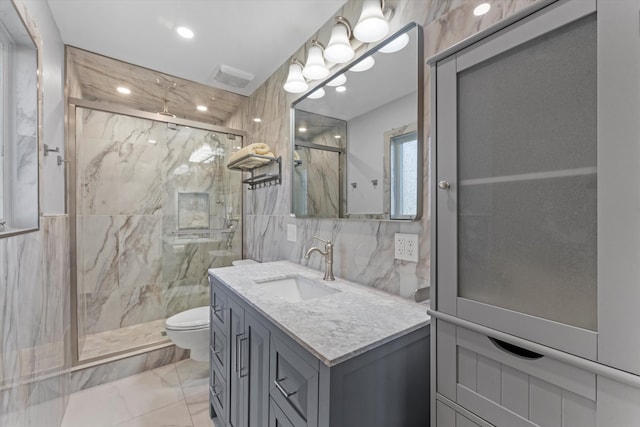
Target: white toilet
190, 330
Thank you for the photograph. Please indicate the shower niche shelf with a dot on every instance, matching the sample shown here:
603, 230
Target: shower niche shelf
258, 167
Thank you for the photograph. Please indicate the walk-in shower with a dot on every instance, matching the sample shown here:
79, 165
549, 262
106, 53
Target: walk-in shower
153, 206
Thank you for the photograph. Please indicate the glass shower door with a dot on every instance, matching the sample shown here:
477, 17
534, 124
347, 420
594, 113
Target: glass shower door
155, 208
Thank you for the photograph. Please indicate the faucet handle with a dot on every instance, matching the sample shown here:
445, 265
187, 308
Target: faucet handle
326, 242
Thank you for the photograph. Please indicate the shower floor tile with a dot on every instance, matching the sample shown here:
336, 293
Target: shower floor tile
122, 339
172, 395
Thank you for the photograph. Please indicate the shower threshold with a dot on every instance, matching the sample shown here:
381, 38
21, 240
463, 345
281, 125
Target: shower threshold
103, 344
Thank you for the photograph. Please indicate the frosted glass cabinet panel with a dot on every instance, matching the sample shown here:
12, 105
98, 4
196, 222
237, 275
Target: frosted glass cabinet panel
517, 173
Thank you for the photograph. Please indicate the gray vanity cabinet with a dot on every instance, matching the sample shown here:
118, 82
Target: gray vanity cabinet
272, 380
249, 369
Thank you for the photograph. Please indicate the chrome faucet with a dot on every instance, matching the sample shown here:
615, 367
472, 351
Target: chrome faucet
328, 257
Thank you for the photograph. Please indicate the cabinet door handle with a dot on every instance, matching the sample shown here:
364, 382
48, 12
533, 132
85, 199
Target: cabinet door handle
237, 367
444, 185
242, 340
282, 390
216, 309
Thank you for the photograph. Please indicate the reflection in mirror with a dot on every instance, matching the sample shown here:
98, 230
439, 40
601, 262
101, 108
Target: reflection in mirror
357, 149
18, 124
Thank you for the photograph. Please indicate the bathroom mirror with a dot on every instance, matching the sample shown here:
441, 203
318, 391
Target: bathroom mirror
18, 124
357, 149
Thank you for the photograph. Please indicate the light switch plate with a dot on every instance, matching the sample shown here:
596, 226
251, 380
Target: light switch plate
291, 232
406, 247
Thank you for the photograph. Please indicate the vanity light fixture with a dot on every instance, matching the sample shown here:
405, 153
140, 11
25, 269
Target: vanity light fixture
341, 89
339, 80
184, 32
396, 44
363, 65
339, 49
123, 90
295, 80
316, 94
315, 67
481, 9
201, 108
372, 25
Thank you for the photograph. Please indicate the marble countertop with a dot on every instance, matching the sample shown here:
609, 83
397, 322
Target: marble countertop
334, 327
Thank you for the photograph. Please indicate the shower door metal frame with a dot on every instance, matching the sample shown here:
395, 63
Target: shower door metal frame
71, 204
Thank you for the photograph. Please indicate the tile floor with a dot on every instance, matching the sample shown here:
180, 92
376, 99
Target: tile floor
174, 395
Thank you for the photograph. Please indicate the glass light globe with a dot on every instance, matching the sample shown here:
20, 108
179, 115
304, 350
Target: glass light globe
371, 26
315, 68
339, 49
295, 80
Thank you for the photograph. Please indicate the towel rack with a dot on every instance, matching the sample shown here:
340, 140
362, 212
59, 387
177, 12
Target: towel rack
251, 163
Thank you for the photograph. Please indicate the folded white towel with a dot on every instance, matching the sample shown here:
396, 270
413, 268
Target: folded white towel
255, 148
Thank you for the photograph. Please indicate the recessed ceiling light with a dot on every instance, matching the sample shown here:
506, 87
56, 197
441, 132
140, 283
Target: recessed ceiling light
184, 32
201, 108
123, 90
302, 129
257, 119
337, 136
341, 89
481, 9
152, 141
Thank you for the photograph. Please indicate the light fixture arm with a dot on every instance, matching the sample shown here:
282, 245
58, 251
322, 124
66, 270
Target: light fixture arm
344, 21
297, 61
315, 42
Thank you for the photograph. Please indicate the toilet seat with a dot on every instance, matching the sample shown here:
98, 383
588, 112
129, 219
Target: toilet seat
189, 320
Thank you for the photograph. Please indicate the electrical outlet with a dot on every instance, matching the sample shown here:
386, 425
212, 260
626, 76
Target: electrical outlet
291, 232
406, 247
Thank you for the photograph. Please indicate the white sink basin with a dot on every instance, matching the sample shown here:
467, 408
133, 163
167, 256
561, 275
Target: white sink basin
297, 288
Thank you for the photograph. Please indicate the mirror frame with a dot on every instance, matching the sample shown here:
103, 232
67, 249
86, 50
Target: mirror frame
419, 124
23, 17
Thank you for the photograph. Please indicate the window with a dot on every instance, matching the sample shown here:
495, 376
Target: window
404, 176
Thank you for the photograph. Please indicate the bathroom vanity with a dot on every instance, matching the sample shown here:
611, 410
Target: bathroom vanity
289, 349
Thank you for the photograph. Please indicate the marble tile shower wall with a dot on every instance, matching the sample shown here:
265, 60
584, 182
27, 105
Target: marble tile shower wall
317, 176
34, 325
364, 250
132, 267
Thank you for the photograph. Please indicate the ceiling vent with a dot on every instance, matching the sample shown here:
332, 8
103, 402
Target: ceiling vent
232, 76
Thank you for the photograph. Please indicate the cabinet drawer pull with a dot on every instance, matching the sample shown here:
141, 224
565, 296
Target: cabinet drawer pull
216, 309
282, 390
515, 350
214, 351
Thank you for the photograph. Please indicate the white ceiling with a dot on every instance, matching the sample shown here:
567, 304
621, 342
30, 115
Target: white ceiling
255, 36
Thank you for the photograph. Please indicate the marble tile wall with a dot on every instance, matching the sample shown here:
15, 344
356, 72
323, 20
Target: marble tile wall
34, 324
34, 267
364, 249
132, 266
317, 175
